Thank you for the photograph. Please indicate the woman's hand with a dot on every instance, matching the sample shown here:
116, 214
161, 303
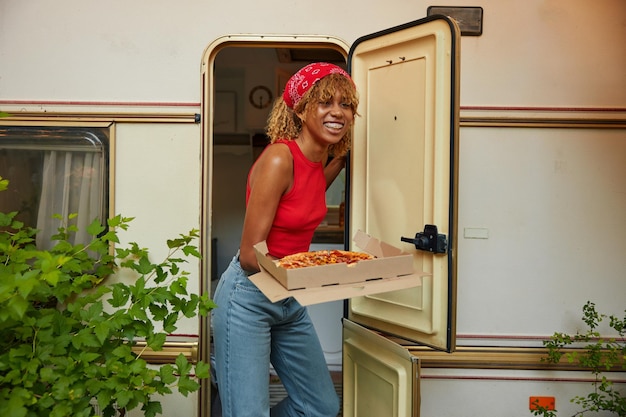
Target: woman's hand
333, 168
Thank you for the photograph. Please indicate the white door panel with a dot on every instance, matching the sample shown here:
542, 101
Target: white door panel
403, 169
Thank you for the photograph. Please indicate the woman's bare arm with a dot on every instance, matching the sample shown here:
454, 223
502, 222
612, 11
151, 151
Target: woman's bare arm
272, 176
333, 168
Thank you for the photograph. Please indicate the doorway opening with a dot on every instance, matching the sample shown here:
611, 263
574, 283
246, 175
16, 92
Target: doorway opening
242, 76
246, 81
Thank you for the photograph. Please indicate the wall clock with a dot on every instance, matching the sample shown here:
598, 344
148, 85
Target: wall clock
260, 96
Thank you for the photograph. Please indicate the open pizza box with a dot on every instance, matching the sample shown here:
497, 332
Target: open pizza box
390, 270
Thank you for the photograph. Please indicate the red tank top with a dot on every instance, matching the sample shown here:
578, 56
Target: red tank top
301, 209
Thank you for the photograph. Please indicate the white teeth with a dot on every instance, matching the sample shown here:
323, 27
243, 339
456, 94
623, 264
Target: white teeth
334, 125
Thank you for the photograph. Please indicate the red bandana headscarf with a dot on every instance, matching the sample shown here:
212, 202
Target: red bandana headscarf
305, 78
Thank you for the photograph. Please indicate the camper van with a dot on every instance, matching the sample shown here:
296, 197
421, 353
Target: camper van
491, 145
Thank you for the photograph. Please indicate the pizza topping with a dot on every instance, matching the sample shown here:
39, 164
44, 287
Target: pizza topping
322, 257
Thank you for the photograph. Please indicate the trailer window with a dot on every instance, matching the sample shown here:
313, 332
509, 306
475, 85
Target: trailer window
55, 171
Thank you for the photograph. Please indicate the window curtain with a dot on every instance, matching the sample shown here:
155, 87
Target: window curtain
70, 185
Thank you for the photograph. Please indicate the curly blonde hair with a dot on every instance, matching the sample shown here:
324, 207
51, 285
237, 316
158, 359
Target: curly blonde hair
284, 123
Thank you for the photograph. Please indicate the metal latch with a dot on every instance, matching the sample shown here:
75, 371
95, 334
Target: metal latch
429, 240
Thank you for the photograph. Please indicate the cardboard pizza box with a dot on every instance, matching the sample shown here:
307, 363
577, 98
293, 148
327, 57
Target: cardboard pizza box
389, 261
391, 270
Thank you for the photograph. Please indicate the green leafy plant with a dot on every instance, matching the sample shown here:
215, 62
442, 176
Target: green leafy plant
69, 337
596, 353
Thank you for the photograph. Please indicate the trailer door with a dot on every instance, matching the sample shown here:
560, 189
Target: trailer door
403, 171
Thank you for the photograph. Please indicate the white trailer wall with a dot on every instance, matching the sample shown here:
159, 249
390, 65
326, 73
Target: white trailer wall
550, 199
531, 53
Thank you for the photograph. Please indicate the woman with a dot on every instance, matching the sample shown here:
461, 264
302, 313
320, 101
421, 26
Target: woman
285, 202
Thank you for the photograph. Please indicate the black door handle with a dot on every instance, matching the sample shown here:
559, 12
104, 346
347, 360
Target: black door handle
429, 240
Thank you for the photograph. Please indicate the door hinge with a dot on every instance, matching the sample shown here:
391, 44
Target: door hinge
429, 240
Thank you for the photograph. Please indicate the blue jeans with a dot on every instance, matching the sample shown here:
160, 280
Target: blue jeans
249, 332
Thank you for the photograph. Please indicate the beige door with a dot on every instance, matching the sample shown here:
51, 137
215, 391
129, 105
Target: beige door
403, 171
380, 378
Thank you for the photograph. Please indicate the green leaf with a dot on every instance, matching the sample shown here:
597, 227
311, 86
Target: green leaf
179, 286
189, 309
102, 331
17, 305
6, 219
87, 357
137, 311
47, 374
94, 311
169, 324
182, 365
158, 311
32, 366
137, 366
161, 275
146, 300
191, 251
152, 408
110, 237
202, 370
144, 266
174, 269
139, 289
85, 338
51, 277
123, 397
26, 282
175, 243
166, 372
4, 183
187, 385
104, 399
95, 228
157, 341
206, 304
119, 320
122, 351
120, 295
16, 407
61, 409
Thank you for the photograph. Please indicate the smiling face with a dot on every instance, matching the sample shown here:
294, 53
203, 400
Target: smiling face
327, 111
328, 121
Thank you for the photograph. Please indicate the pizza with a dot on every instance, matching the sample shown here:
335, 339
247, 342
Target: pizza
322, 257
